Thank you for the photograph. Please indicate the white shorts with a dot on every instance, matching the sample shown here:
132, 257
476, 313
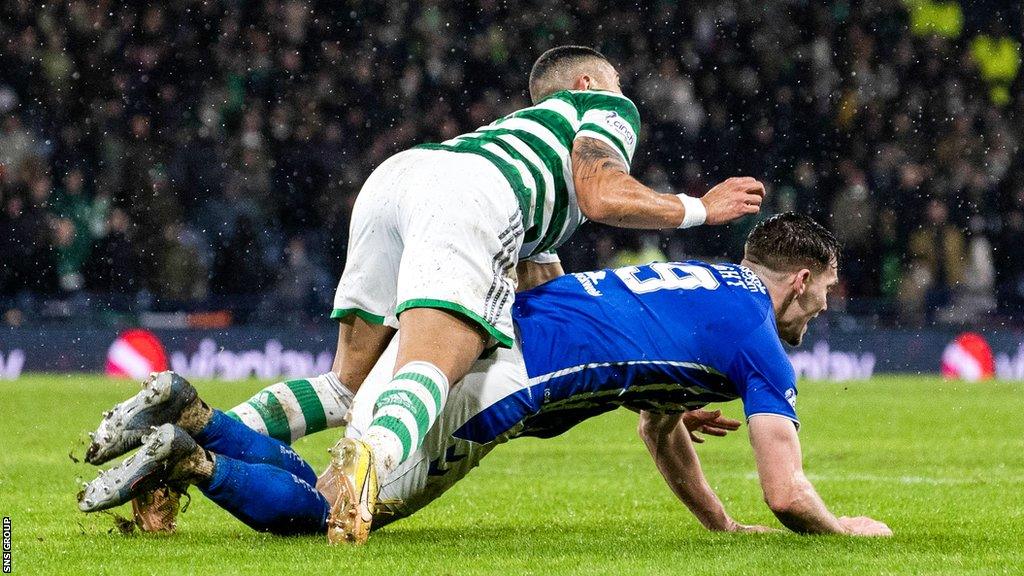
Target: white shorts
443, 459
433, 229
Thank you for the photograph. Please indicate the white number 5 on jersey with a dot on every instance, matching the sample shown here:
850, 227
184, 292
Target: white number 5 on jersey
670, 276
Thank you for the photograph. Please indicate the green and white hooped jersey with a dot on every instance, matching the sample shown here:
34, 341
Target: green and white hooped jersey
532, 149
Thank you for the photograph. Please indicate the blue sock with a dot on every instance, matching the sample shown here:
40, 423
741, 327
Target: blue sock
226, 436
267, 498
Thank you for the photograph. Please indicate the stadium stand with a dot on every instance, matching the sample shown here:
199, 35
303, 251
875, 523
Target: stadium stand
204, 155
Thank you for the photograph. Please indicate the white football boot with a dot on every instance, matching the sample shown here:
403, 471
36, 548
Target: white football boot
163, 398
167, 456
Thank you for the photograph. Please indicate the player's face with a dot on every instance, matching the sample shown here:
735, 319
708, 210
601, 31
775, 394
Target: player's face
811, 298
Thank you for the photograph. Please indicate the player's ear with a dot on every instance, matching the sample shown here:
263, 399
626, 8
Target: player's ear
582, 82
800, 281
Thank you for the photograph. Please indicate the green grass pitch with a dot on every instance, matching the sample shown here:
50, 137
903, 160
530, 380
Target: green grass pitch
942, 463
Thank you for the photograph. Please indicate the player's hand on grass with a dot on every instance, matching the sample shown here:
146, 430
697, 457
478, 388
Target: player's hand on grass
864, 526
732, 199
710, 422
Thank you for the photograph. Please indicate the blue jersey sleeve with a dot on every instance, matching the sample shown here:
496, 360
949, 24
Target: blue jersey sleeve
763, 375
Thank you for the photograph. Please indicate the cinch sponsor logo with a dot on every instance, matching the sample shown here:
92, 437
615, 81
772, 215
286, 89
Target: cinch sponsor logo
1010, 367
821, 363
11, 364
621, 127
210, 361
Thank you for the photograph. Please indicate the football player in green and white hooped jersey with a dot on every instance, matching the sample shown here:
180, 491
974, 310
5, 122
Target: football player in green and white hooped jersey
436, 235
532, 148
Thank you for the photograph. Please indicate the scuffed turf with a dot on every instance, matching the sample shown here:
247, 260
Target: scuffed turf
942, 463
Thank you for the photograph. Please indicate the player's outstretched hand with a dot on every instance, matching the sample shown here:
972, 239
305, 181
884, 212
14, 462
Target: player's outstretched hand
864, 526
732, 199
710, 422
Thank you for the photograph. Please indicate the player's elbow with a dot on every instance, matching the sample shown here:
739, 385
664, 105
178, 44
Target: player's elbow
786, 499
780, 504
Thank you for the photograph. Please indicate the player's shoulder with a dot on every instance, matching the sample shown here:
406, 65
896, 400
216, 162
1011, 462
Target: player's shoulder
738, 295
731, 275
585, 100
736, 276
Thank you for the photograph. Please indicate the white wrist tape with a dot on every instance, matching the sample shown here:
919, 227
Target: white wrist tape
695, 214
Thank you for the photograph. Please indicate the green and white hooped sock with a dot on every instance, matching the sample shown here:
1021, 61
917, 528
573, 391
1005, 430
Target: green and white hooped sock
290, 410
404, 413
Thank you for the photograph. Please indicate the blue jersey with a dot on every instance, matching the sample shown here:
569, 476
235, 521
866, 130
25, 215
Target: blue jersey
665, 337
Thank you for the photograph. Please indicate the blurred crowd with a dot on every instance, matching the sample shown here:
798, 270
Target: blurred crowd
204, 155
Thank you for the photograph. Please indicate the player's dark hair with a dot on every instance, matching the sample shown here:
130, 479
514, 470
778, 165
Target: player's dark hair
557, 57
789, 241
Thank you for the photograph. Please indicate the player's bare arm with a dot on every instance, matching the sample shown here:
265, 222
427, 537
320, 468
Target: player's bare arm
668, 439
608, 194
788, 492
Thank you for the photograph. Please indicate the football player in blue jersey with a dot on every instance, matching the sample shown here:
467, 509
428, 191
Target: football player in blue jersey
664, 339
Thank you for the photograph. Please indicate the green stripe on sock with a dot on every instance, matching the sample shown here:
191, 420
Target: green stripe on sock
231, 414
398, 427
309, 403
269, 408
413, 405
429, 384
